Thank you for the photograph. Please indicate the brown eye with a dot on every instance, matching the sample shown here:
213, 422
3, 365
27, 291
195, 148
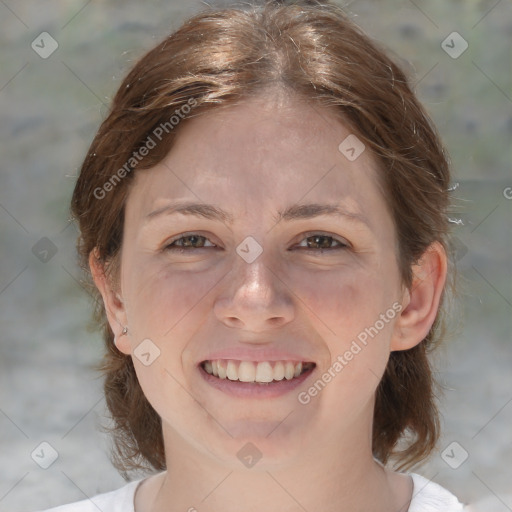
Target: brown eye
189, 242
321, 241
316, 241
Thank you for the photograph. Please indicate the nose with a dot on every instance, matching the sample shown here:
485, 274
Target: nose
256, 299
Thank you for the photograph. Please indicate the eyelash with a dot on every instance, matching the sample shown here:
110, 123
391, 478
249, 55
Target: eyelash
170, 247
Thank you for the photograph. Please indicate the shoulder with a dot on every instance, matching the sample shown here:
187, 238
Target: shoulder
120, 500
431, 497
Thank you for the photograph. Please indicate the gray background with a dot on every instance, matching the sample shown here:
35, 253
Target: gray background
50, 109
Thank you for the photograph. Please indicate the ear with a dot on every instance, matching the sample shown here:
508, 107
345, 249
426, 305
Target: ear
421, 301
112, 301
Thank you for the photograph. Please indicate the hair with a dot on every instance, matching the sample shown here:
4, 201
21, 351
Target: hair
216, 59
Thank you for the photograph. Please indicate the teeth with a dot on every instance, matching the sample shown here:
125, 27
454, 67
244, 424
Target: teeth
289, 371
264, 372
222, 372
279, 371
231, 371
247, 371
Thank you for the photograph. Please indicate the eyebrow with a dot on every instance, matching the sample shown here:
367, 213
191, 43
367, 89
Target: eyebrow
294, 212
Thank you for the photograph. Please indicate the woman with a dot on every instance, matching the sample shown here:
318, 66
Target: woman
264, 215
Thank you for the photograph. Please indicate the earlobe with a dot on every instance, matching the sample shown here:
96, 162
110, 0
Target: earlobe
421, 301
114, 306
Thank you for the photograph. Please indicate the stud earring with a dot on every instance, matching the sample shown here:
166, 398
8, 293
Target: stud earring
125, 330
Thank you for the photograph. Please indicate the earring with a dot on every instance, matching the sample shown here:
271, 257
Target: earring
125, 330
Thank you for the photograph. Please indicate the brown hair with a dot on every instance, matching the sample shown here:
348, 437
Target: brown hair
217, 58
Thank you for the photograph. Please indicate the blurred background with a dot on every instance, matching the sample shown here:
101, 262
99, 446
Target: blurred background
54, 92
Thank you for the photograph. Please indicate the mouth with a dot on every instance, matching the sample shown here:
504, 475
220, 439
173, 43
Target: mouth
257, 372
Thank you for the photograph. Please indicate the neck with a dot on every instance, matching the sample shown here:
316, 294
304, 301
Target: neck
318, 478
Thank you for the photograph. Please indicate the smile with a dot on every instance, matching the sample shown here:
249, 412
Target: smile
256, 372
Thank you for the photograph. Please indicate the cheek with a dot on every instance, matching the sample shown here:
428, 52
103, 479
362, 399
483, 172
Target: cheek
346, 309
165, 389
168, 309
341, 303
163, 303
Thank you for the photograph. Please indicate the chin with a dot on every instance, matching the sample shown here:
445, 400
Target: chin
261, 444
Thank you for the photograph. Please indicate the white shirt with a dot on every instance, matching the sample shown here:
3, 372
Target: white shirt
427, 497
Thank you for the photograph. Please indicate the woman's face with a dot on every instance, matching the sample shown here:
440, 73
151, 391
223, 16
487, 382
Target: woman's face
247, 285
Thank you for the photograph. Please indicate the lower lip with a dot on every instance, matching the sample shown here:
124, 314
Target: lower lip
255, 389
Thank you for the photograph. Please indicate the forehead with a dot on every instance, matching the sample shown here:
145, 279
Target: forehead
262, 153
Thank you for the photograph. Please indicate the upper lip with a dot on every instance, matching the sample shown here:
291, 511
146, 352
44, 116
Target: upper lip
256, 355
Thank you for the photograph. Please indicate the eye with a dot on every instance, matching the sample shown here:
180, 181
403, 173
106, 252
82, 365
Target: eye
324, 242
190, 241
193, 241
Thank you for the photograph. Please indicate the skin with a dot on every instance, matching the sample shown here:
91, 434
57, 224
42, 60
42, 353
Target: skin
252, 160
